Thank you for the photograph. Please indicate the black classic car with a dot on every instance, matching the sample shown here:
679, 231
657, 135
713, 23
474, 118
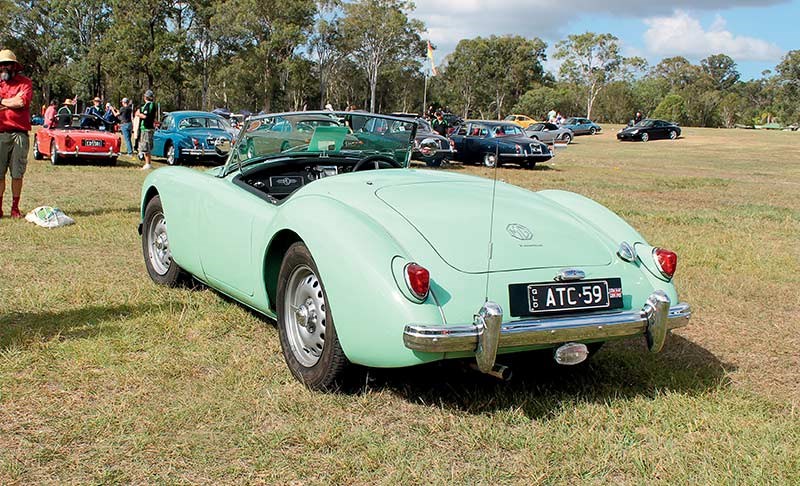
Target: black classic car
498, 142
429, 146
650, 129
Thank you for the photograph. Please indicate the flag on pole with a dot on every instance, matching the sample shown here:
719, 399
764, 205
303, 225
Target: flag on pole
434, 72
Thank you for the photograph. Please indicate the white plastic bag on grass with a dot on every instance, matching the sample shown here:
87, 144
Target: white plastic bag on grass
49, 217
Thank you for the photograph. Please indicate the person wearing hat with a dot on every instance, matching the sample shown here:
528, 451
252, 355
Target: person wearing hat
65, 106
95, 108
146, 115
125, 126
16, 92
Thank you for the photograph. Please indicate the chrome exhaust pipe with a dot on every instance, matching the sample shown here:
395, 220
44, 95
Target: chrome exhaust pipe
501, 372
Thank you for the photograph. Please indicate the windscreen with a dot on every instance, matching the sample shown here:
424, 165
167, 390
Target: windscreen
347, 134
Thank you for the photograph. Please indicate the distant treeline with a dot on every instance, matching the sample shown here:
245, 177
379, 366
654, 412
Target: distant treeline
302, 54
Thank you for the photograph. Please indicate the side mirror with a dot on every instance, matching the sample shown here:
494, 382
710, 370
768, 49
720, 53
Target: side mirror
222, 145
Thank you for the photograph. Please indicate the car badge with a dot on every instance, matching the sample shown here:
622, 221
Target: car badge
284, 182
519, 232
570, 275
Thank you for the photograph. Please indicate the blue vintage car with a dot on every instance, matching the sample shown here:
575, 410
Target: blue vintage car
498, 142
185, 134
581, 126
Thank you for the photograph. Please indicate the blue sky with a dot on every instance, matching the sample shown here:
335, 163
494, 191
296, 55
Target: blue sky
755, 33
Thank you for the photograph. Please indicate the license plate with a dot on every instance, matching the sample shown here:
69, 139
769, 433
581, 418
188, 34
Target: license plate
531, 299
92, 143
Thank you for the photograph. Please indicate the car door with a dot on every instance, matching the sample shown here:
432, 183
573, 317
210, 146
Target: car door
161, 135
459, 139
478, 140
232, 221
659, 129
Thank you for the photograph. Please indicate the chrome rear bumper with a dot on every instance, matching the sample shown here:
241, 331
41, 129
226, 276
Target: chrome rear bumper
487, 334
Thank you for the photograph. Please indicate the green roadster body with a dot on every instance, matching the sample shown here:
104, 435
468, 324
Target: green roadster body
310, 236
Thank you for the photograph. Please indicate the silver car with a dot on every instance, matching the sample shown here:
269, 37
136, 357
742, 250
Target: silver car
549, 133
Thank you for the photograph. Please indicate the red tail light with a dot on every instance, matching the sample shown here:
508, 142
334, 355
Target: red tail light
68, 141
418, 279
666, 260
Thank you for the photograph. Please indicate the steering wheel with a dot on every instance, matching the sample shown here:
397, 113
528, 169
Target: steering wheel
377, 161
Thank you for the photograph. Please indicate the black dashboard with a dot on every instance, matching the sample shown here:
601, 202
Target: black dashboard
275, 183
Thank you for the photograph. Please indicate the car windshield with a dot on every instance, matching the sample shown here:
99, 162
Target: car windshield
81, 122
645, 123
303, 135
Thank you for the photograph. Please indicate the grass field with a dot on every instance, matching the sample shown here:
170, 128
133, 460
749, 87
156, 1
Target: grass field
106, 378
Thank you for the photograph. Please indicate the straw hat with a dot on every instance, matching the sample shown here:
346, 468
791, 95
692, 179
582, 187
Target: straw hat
67, 102
7, 56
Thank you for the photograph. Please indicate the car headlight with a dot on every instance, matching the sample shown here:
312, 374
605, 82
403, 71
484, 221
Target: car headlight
634, 132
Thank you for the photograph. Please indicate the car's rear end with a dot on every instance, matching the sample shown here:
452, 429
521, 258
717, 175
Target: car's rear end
563, 271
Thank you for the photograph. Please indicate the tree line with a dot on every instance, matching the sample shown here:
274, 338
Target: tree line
303, 54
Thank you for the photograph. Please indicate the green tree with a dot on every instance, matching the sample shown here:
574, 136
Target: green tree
672, 107
378, 33
722, 71
677, 71
593, 61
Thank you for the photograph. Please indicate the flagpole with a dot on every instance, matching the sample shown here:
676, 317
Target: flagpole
425, 92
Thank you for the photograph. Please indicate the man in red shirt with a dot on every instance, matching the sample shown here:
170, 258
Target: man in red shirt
16, 92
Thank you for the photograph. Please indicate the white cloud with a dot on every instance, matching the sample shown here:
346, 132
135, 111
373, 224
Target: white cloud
683, 35
449, 21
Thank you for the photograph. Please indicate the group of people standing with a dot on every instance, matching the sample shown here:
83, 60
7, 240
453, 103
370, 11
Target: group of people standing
16, 94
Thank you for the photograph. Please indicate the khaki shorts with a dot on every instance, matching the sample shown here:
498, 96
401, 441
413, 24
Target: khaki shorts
146, 141
13, 153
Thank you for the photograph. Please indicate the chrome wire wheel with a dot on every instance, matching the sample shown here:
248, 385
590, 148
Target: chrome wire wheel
158, 244
645, 137
672, 135
171, 155
305, 316
490, 160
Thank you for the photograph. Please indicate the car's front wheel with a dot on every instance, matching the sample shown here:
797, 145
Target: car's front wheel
673, 135
155, 246
592, 131
305, 325
490, 160
645, 137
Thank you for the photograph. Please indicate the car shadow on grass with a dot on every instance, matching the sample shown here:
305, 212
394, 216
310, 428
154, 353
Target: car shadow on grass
21, 329
539, 387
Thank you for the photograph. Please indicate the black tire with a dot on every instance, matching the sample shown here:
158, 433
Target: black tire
567, 138
54, 158
489, 160
645, 137
320, 372
529, 165
155, 247
36, 153
592, 131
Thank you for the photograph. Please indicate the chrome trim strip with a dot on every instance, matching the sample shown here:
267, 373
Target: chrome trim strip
96, 154
570, 275
552, 331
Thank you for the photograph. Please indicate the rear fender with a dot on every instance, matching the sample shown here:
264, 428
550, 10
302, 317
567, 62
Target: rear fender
354, 254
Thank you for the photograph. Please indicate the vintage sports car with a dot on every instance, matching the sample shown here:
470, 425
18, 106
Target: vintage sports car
581, 126
521, 120
182, 135
498, 142
337, 242
549, 133
650, 129
74, 137
429, 146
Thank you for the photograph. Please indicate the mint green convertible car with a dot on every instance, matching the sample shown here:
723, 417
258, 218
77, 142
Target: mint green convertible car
363, 260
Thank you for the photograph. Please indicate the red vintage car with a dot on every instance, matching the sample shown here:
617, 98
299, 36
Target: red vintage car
77, 137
